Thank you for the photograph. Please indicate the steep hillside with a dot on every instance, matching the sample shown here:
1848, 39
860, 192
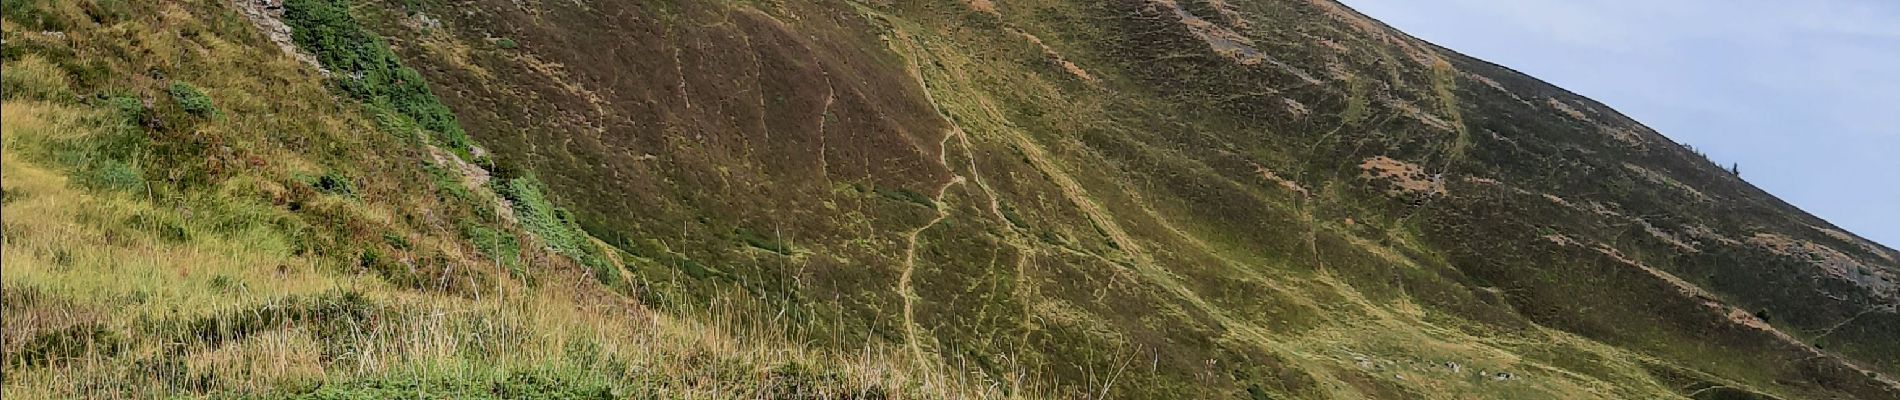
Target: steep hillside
190, 212
930, 198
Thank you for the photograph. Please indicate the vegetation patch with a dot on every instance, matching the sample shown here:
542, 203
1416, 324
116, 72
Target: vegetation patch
556, 227
63, 345
365, 68
32, 77
193, 100
524, 385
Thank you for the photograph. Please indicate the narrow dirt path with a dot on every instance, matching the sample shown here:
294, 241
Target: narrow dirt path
905, 289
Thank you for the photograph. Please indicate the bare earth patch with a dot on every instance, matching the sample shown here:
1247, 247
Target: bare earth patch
983, 6
1296, 107
1406, 178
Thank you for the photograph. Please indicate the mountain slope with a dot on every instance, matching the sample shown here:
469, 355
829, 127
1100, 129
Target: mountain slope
1065, 188
1125, 198
191, 212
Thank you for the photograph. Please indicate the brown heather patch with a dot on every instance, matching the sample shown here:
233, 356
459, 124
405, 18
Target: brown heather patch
983, 6
1405, 177
1230, 14
1296, 107
1283, 182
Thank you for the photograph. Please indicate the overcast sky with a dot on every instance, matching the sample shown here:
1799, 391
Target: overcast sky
1804, 95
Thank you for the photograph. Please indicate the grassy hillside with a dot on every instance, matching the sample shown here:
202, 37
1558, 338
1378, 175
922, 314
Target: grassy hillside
190, 211
875, 199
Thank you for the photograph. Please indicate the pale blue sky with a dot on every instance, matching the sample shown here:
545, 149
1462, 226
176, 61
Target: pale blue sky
1804, 95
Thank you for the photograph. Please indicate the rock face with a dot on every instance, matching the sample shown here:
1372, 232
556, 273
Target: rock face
1142, 198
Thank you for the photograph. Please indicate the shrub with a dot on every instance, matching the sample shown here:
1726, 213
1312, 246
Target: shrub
108, 174
366, 69
193, 100
556, 227
130, 110
506, 44
333, 183
498, 245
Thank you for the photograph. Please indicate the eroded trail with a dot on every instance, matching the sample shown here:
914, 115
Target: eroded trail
905, 289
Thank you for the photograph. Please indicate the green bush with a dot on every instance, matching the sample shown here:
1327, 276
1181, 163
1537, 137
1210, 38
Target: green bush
193, 100
335, 184
365, 67
130, 110
556, 227
539, 216
111, 174
506, 44
498, 245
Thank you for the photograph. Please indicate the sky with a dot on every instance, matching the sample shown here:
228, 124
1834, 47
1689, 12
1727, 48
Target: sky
1805, 96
